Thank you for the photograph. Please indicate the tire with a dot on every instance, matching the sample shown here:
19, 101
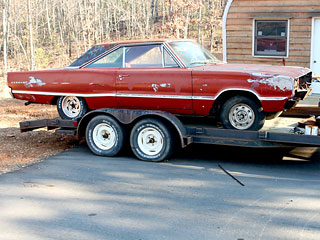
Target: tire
71, 108
242, 113
104, 136
160, 140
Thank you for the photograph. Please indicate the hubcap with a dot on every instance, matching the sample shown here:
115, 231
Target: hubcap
104, 136
241, 116
150, 141
71, 106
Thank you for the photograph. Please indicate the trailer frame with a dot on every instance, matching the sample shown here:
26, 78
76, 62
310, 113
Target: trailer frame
187, 134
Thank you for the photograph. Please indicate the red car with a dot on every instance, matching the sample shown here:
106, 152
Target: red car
176, 76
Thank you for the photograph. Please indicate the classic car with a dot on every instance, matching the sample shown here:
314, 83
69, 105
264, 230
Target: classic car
177, 76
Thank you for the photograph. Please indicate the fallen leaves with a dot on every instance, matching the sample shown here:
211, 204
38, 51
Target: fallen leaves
17, 149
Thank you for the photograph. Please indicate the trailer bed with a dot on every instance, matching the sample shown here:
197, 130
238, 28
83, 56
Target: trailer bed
277, 133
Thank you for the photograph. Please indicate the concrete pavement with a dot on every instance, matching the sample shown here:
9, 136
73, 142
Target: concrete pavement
76, 195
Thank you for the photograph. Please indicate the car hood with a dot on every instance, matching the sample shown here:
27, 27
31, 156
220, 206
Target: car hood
256, 69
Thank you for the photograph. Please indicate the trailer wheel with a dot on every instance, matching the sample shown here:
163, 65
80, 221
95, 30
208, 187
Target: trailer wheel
71, 107
242, 113
104, 136
151, 140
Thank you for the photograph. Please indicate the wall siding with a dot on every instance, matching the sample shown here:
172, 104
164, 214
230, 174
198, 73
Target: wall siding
240, 23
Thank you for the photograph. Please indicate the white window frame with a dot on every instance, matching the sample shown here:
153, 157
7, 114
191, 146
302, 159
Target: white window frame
254, 36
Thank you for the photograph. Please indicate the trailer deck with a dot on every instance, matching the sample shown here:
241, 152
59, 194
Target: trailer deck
154, 135
277, 133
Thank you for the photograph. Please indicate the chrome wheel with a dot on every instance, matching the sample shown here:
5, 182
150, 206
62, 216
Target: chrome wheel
150, 141
104, 136
71, 106
241, 116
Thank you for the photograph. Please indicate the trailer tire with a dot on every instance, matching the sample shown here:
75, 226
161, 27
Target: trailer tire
151, 140
71, 107
242, 113
104, 136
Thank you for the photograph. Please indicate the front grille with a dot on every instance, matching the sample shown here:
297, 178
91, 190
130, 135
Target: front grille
302, 87
304, 81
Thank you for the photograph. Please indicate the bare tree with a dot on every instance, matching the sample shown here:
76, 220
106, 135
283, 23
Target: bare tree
55, 32
199, 21
30, 33
5, 25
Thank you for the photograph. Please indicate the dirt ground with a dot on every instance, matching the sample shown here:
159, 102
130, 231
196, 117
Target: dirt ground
17, 149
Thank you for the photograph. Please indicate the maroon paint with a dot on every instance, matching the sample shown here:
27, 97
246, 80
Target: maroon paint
203, 81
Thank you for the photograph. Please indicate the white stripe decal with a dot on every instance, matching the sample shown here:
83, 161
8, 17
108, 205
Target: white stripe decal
272, 98
136, 95
65, 94
153, 96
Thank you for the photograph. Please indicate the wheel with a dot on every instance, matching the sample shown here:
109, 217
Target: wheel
151, 140
104, 136
242, 113
71, 108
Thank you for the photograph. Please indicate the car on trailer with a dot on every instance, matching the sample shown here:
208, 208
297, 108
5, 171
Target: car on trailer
176, 76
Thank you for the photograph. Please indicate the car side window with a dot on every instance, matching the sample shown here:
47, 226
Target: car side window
112, 60
143, 56
168, 60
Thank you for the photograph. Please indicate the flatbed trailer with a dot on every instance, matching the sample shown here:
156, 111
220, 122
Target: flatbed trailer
153, 135
302, 112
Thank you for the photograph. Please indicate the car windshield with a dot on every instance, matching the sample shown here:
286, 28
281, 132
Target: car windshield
192, 54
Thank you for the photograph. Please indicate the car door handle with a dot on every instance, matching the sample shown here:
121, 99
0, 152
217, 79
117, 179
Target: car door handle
122, 76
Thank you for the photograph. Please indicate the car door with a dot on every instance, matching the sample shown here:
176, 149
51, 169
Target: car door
100, 77
151, 79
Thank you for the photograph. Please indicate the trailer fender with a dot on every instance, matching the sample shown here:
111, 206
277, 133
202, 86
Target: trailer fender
128, 116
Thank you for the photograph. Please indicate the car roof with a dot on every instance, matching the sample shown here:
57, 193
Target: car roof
98, 49
139, 41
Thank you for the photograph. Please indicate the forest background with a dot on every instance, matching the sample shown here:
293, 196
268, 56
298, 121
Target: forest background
38, 34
